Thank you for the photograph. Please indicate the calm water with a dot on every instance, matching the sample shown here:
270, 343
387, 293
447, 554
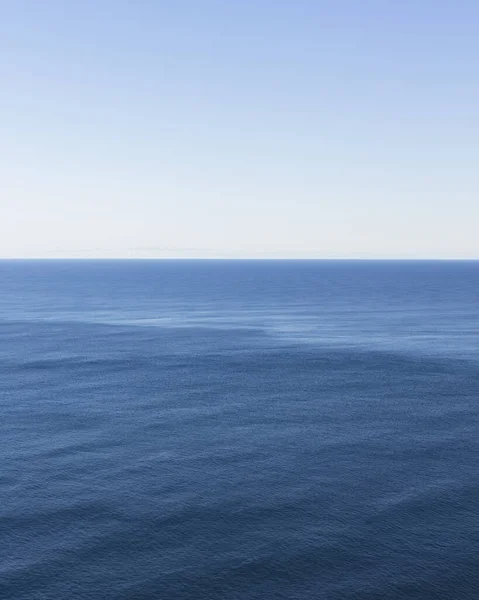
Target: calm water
239, 430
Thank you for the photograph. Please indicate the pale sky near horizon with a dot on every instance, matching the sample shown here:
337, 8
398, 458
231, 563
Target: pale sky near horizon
252, 128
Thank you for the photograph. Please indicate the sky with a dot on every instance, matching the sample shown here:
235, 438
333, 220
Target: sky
239, 128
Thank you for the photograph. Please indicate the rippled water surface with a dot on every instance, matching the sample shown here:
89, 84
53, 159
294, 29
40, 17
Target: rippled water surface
239, 430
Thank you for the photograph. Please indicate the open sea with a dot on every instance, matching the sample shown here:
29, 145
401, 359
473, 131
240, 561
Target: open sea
239, 430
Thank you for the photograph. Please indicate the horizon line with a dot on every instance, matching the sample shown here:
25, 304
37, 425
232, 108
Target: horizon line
238, 258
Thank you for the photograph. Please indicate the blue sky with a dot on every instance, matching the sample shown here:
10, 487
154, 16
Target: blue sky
239, 128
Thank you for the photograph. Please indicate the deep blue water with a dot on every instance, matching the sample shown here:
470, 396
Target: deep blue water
239, 430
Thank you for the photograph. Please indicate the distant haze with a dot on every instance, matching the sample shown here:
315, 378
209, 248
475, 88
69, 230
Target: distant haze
260, 128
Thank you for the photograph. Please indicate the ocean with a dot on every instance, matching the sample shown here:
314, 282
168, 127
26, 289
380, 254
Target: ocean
239, 430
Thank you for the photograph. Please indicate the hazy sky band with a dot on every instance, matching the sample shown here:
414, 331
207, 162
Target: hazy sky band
256, 129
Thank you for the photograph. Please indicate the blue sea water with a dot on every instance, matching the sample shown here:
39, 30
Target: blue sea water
239, 430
